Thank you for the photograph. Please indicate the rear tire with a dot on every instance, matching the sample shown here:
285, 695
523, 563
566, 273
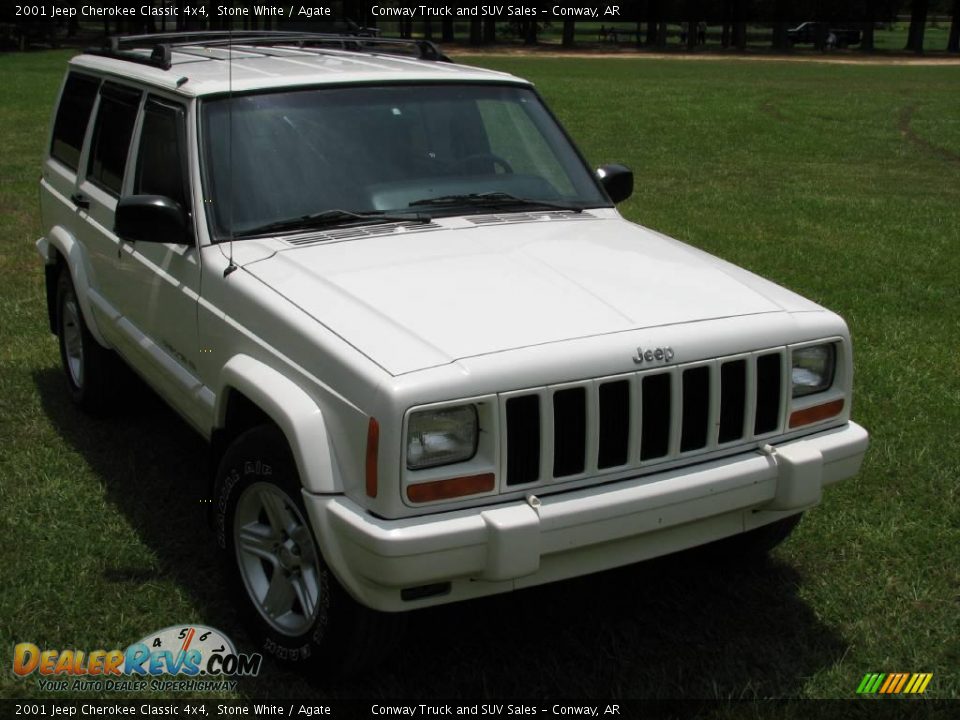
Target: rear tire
89, 367
294, 606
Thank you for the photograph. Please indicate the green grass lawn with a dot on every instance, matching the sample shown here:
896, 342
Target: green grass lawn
840, 182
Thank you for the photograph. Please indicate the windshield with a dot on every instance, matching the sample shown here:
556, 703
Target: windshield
279, 160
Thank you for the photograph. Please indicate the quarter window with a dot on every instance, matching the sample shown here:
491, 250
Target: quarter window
111, 136
73, 116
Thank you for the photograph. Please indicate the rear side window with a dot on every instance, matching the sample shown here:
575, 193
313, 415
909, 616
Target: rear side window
73, 116
111, 136
161, 160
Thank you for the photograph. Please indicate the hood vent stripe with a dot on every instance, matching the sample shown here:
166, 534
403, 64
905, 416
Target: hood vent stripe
362, 231
514, 218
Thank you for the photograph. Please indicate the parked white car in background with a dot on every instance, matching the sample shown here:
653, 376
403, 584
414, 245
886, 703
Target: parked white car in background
433, 361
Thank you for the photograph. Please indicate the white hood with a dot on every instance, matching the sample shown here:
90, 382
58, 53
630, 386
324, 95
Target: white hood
411, 300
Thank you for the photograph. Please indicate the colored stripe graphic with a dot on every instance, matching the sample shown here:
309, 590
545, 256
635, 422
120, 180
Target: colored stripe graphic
894, 683
874, 683
901, 682
886, 684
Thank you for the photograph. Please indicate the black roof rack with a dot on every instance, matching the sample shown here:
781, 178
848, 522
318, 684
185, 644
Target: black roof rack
161, 45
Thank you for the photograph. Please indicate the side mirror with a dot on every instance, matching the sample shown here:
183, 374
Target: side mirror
617, 180
151, 218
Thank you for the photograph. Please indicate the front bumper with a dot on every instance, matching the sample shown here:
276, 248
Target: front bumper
481, 551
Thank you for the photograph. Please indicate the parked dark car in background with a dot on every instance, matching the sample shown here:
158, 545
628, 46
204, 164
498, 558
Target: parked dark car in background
806, 34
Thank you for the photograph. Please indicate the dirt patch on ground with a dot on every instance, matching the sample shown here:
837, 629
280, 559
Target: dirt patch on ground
907, 131
771, 109
548, 51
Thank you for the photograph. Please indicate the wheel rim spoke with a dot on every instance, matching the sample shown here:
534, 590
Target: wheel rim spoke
306, 589
276, 511
259, 540
280, 596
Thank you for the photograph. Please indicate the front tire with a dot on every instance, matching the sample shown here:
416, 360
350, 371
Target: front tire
294, 606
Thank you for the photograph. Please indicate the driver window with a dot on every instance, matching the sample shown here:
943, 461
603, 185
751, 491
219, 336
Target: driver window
161, 161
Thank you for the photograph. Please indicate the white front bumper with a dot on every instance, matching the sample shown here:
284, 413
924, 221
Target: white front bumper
481, 551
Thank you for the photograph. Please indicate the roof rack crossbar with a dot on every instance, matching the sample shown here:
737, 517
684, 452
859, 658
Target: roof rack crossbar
163, 44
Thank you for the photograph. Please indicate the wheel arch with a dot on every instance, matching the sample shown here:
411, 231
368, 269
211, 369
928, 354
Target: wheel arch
252, 393
60, 249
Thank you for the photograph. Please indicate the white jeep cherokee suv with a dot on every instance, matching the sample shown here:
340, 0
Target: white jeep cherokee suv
431, 358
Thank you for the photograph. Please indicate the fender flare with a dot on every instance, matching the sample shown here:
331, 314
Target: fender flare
296, 414
59, 240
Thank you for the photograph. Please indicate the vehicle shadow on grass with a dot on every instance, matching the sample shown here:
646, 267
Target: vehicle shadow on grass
687, 626
154, 469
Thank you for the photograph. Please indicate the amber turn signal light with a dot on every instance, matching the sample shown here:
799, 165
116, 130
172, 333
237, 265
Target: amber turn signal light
452, 488
816, 413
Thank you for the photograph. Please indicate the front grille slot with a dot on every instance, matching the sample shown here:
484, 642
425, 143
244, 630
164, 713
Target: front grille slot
767, 418
733, 400
523, 439
696, 408
655, 438
649, 417
569, 431
614, 424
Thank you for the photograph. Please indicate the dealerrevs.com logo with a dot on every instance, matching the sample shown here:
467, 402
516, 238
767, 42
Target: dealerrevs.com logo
200, 658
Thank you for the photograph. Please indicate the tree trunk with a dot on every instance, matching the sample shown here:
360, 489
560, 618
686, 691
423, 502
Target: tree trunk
918, 24
866, 39
530, 33
446, 30
569, 26
489, 32
869, 25
740, 36
953, 43
476, 33
661, 34
780, 40
427, 30
725, 20
780, 24
820, 32
653, 18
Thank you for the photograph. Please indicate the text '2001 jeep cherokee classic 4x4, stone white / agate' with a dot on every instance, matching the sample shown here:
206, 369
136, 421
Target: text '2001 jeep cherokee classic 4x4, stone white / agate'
432, 359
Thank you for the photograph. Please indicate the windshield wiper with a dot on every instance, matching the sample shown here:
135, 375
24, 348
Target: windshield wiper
493, 199
333, 218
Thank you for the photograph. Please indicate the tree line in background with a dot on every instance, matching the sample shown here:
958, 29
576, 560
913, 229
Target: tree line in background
650, 19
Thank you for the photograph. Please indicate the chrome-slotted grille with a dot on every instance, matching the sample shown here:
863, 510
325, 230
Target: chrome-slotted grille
611, 424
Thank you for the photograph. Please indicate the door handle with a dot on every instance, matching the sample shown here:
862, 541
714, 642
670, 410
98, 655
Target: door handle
80, 200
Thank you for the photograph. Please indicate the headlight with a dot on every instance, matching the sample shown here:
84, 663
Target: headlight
441, 437
812, 370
